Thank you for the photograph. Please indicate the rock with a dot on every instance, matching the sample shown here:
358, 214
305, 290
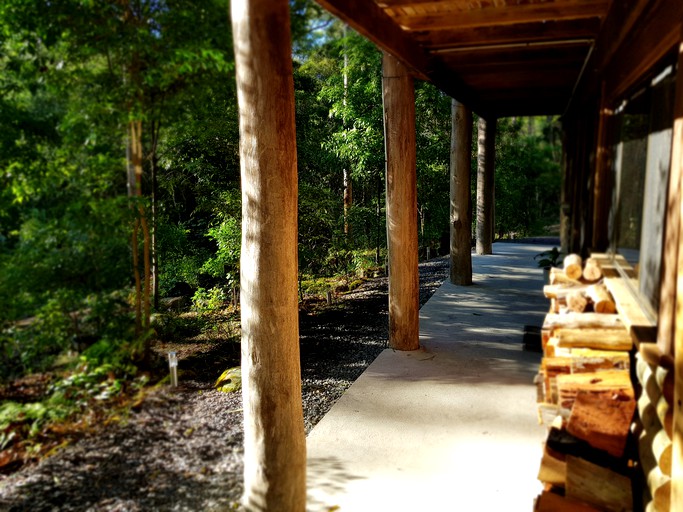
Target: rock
230, 380
173, 303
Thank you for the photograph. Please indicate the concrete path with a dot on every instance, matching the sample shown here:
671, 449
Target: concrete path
452, 426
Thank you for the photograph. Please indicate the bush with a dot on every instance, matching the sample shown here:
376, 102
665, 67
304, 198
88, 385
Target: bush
207, 301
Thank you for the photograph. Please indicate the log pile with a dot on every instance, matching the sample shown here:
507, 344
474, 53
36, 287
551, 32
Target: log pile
586, 396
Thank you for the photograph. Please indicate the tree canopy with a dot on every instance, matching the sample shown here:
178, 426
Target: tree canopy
102, 99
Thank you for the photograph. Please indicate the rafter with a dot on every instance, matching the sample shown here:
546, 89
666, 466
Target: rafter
371, 21
527, 32
455, 15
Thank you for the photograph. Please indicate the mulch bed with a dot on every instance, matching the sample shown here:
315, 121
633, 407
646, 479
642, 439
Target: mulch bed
181, 448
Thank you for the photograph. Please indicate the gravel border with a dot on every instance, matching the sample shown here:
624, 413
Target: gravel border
181, 450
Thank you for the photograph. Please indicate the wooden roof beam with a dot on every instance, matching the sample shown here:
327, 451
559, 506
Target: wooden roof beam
442, 19
510, 34
372, 22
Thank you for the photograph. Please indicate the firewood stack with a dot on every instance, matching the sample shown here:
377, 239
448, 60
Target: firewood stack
586, 397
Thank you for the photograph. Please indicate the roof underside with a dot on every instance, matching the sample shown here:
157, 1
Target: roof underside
500, 57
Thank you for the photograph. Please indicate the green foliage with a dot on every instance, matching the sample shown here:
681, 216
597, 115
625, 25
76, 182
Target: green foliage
225, 263
66, 397
528, 177
98, 325
550, 258
433, 125
207, 301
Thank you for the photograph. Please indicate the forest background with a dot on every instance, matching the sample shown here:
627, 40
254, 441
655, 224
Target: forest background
119, 176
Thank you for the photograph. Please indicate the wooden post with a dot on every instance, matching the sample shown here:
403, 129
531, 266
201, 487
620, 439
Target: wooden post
676, 288
602, 186
461, 197
274, 440
401, 179
485, 175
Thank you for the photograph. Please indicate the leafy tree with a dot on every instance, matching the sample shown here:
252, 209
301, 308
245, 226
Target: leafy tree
527, 176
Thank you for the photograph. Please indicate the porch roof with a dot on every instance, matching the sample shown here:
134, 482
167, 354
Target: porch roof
499, 57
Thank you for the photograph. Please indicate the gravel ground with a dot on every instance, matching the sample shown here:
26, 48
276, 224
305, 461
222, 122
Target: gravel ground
181, 450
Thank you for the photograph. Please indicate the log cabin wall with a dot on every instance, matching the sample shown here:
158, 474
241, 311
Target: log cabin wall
639, 51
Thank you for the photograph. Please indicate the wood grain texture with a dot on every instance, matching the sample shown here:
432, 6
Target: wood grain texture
274, 440
598, 486
401, 198
603, 419
461, 196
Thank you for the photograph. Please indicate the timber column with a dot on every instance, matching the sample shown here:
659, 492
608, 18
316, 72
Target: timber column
461, 198
486, 151
274, 440
401, 178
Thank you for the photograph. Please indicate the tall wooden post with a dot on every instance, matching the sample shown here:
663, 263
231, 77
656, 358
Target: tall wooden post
602, 184
485, 173
461, 197
274, 440
401, 179
676, 286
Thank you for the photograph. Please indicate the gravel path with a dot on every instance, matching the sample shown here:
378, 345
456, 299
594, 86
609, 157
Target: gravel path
181, 450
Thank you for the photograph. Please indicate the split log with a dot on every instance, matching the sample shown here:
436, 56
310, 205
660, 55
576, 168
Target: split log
552, 349
600, 339
603, 419
586, 360
568, 386
573, 266
576, 301
582, 321
591, 270
561, 291
539, 382
552, 502
561, 444
552, 367
553, 469
557, 276
599, 486
601, 298
547, 413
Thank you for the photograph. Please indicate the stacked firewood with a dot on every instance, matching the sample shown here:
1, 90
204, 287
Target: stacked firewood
585, 393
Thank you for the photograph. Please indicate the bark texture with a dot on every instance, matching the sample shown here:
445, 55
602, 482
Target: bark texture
274, 442
461, 198
401, 178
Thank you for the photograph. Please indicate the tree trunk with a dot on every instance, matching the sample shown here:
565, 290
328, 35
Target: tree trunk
274, 441
401, 178
142, 284
348, 185
485, 169
461, 198
348, 200
154, 168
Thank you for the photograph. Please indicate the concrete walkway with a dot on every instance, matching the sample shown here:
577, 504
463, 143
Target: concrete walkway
452, 426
